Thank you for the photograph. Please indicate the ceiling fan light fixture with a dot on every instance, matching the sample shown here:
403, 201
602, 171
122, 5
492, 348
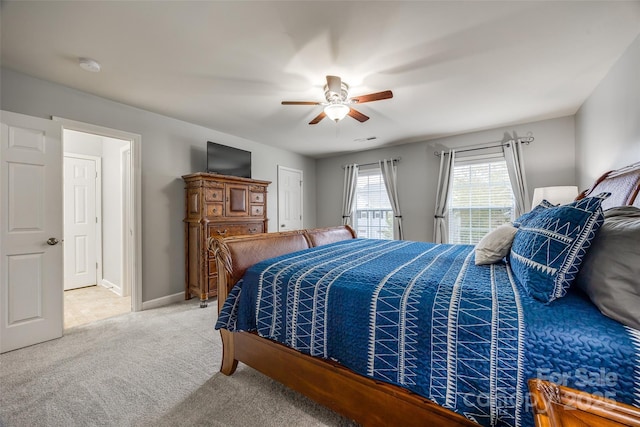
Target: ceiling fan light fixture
336, 112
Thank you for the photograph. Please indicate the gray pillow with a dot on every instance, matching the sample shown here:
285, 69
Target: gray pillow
495, 245
610, 272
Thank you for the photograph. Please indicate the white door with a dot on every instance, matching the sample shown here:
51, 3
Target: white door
30, 231
80, 268
289, 199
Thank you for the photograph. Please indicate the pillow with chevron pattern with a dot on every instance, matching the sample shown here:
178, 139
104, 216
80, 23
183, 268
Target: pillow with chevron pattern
526, 217
548, 248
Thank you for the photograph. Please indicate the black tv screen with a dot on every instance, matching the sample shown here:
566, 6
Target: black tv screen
227, 160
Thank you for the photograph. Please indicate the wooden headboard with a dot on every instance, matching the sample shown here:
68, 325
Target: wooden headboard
623, 184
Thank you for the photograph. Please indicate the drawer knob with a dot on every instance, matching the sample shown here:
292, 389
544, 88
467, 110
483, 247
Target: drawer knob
253, 230
222, 232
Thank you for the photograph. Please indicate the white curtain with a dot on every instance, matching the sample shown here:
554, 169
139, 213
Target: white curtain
517, 176
390, 175
349, 192
440, 231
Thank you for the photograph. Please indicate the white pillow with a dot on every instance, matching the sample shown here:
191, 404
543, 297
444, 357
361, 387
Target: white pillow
495, 245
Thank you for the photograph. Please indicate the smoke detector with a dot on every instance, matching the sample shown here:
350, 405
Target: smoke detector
89, 64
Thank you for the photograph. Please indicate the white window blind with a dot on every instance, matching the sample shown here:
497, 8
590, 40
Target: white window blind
481, 199
373, 215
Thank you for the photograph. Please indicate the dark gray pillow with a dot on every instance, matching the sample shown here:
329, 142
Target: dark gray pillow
610, 272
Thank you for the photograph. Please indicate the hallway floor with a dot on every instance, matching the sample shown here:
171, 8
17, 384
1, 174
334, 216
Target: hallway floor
85, 305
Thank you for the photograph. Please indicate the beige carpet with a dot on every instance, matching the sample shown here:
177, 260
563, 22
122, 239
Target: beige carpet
152, 368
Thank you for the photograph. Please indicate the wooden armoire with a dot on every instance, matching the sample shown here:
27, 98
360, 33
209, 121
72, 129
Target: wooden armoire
217, 205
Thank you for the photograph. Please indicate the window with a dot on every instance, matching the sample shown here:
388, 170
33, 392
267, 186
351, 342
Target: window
481, 199
373, 216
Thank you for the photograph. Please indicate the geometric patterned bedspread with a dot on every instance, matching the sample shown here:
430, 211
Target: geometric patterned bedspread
425, 317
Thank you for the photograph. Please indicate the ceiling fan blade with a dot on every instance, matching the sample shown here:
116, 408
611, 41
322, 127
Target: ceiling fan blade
300, 103
334, 84
357, 115
373, 97
318, 118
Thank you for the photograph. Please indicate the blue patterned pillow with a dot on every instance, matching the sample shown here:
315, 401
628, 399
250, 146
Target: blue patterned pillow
526, 217
548, 248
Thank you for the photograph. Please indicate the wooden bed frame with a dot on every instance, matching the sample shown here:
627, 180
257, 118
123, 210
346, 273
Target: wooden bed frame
559, 406
364, 400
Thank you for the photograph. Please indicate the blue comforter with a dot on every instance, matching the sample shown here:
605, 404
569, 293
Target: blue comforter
425, 317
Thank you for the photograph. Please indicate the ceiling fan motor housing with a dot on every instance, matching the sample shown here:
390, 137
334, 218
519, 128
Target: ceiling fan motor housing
336, 93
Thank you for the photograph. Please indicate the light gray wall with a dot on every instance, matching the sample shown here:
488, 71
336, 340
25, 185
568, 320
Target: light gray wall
608, 123
417, 166
170, 148
549, 160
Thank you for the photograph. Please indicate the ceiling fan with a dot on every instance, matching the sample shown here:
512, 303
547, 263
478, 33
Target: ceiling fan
338, 104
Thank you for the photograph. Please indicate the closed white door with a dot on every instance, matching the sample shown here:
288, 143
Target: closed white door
289, 199
80, 268
30, 231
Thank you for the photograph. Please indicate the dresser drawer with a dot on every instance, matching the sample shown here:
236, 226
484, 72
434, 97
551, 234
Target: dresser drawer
257, 197
226, 230
214, 209
213, 194
257, 210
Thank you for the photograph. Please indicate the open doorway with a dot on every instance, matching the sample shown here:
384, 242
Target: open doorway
96, 174
103, 276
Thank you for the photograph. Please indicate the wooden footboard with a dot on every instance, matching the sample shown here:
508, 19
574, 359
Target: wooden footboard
362, 399
368, 402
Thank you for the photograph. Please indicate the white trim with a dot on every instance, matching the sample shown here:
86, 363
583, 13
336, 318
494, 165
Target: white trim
126, 219
136, 194
98, 162
111, 286
162, 301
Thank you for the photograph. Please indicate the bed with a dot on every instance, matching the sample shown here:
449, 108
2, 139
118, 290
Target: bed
411, 333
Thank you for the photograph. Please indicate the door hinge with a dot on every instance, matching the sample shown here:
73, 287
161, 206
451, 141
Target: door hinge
96, 265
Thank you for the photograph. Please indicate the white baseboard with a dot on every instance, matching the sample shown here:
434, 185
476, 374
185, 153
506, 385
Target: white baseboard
111, 286
159, 302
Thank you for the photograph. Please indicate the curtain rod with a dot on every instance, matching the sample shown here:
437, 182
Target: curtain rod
524, 140
395, 159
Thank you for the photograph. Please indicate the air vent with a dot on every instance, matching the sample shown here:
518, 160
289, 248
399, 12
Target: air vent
370, 138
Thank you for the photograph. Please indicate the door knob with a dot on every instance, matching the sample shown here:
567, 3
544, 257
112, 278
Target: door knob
52, 241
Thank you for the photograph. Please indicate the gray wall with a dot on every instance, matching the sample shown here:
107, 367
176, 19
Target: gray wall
608, 123
549, 160
170, 148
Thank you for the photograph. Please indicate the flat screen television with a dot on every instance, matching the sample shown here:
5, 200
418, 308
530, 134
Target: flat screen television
227, 160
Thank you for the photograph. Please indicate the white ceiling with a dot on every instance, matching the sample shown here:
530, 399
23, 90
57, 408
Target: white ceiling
454, 67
